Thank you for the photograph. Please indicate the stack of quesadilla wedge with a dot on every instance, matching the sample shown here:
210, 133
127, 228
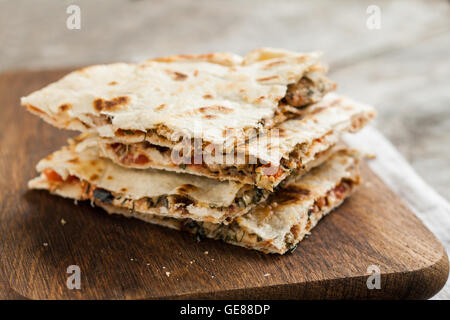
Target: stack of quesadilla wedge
240, 149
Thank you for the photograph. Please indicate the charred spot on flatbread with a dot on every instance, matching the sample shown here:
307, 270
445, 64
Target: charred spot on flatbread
296, 190
267, 78
64, 107
182, 201
74, 160
289, 194
110, 105
187, 188
161, 107
274, 63
176, 75
216, 109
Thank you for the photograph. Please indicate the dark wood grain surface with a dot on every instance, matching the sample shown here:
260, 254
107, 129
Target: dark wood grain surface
124, 258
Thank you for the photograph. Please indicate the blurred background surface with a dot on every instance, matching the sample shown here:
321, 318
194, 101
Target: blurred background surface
403, 68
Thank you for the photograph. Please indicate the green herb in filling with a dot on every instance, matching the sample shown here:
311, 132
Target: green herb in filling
259, 194
291, 247
200, 232
103, 195
150, 203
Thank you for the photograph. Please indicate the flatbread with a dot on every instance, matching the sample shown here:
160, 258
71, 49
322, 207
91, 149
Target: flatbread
152, 191
291, 147
275, 227
180, 96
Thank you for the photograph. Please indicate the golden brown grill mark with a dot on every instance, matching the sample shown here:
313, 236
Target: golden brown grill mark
112, 83
109, 105
260, 99
274, 63
79, 138
64, 107
296, 189
267, 78
180, 76
186, 188
74, 160
161, 107
177, 76
94, 177
218, 108
179, 57
34, 109
289, 194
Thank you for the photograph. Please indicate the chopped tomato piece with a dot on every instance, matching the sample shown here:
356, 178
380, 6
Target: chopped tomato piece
141, 159
321, 202
341, 189
115, 146
51, 175
71, 179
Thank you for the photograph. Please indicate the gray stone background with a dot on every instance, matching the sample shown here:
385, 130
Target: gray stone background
403, 69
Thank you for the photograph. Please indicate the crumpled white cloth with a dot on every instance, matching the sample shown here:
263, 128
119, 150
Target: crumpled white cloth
394, 170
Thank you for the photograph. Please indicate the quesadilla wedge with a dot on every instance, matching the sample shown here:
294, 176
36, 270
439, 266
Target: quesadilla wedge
275, 227
167, 98
79, 167
293, 147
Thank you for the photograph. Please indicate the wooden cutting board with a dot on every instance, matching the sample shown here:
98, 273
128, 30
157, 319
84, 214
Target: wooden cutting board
122, 258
